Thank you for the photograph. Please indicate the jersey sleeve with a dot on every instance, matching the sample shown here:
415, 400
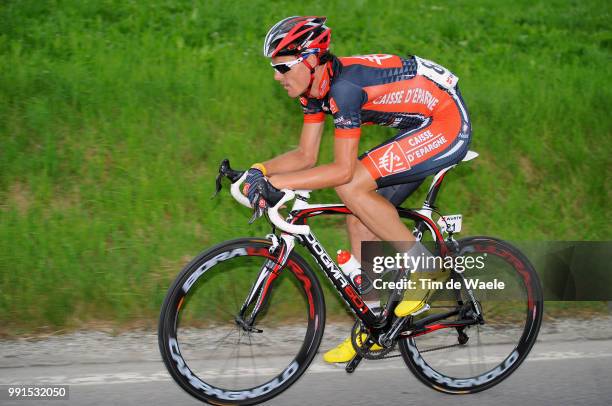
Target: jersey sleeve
345, 103
313, 111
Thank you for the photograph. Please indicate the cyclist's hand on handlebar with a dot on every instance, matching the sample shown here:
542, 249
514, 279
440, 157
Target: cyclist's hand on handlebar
260, 192
250, 189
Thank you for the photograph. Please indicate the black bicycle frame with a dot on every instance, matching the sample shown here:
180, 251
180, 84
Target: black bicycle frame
333, 272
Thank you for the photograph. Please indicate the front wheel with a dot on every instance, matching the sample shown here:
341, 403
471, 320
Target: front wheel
468, 359
220, 361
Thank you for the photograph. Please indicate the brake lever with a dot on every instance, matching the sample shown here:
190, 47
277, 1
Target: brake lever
218, 185
225, 170
257, 213
223, 167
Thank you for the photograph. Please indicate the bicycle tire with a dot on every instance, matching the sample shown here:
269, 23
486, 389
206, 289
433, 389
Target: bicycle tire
436, 377
298, 274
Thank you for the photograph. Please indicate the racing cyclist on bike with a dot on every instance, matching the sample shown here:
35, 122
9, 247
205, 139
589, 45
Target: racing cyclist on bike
414, 95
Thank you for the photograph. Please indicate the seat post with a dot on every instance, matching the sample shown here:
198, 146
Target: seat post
432, 194
430, 201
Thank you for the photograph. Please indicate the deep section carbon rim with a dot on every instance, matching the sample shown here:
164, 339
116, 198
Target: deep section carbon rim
210, 355
445, 360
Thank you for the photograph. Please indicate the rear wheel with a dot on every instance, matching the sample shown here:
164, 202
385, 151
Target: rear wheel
215, 359
470, 359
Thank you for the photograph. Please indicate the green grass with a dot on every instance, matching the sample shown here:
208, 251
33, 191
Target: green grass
115, 114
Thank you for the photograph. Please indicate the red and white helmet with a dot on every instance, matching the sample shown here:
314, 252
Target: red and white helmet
295, 35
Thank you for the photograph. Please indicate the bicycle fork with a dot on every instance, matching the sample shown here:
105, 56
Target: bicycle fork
269, 271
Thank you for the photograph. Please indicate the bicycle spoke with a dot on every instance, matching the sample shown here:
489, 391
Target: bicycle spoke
212, 343
230, 357
480, 362
237, 364
222, 340
253, 360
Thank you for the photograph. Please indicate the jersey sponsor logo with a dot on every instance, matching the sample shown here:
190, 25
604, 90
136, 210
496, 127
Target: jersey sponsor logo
415, 95
390, 98
397, 121
341, 121
303, 101
373, 60
424, 144
421, 96
376, 58
323, 86
332, 105
402, 155
389, 159
420, 138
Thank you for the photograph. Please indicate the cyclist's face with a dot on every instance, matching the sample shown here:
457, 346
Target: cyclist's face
297, 79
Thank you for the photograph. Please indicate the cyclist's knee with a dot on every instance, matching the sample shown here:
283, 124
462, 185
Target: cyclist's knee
351, 194
360, 184
344, 191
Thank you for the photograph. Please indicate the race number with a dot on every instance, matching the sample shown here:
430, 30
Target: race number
437, 73
450, 223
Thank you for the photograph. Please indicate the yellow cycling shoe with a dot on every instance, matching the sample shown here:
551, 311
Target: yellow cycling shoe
416, 299
407, 307
344, 352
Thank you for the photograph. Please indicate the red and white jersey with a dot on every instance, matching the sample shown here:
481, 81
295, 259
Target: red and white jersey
404, 93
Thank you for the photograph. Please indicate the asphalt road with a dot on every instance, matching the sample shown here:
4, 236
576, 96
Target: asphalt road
564, 368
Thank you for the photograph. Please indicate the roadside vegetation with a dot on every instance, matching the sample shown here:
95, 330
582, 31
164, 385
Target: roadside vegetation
114, 116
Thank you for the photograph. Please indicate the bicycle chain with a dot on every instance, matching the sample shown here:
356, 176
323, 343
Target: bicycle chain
356, 332
358, 329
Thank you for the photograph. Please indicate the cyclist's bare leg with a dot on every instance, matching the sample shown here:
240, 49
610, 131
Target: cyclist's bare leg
358, 232
374, 211
374, 216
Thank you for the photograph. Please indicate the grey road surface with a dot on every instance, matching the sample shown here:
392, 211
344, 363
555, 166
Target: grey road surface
570, 365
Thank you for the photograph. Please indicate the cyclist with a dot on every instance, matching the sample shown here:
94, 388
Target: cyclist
414, 95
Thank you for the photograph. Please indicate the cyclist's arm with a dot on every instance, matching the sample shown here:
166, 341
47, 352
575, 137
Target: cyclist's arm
303, 157
334, 174
345, 101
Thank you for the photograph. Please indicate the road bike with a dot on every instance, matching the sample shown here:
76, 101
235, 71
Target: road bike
245, 318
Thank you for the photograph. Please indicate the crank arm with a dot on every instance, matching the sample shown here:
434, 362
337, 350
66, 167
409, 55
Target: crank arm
353, 364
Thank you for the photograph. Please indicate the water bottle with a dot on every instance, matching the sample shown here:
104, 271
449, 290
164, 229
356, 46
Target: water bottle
352, 269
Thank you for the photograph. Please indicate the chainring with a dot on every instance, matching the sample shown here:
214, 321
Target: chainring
356, 332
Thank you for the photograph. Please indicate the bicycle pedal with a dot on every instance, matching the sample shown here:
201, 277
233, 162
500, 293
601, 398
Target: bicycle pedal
353, 363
